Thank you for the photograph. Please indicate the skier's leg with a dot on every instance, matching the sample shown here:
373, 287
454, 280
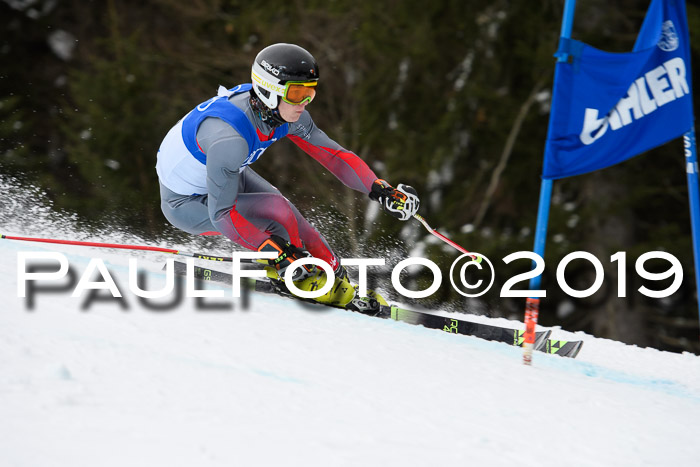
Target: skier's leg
263, 204
270, 211
260, 201
186, 212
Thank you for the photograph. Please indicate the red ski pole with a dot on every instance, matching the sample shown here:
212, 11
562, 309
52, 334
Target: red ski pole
433, 231
120, 246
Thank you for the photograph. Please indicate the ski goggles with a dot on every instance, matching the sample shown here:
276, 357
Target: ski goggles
297, 92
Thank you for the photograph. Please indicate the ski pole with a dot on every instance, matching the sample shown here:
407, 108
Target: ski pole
433, 231
125, 247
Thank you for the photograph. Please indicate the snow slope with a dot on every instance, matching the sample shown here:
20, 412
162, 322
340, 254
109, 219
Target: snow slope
283, 384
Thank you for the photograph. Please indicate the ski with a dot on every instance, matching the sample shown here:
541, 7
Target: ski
457, 326
489, 332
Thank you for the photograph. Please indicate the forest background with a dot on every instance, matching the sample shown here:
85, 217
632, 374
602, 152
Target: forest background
451, 97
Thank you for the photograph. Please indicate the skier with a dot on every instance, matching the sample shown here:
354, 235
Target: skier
208, 187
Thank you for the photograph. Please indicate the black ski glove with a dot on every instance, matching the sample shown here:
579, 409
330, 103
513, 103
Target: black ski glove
286, 255
401, 202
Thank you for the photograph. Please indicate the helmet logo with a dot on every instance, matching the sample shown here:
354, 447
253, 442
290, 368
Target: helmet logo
269, 68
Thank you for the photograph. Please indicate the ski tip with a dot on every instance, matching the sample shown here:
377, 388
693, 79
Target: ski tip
575, 350
568, 349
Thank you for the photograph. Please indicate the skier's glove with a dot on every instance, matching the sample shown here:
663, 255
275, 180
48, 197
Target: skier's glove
401, 202
286, 255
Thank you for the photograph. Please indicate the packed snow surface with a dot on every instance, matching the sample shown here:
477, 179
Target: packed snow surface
96, 382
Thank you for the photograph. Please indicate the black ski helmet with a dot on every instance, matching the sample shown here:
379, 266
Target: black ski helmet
277, 64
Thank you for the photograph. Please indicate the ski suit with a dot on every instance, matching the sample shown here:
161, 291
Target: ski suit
208, 187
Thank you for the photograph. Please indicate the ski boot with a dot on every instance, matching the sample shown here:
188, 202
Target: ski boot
343, 294
286, 255
346, 295
339, 295
368, 305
